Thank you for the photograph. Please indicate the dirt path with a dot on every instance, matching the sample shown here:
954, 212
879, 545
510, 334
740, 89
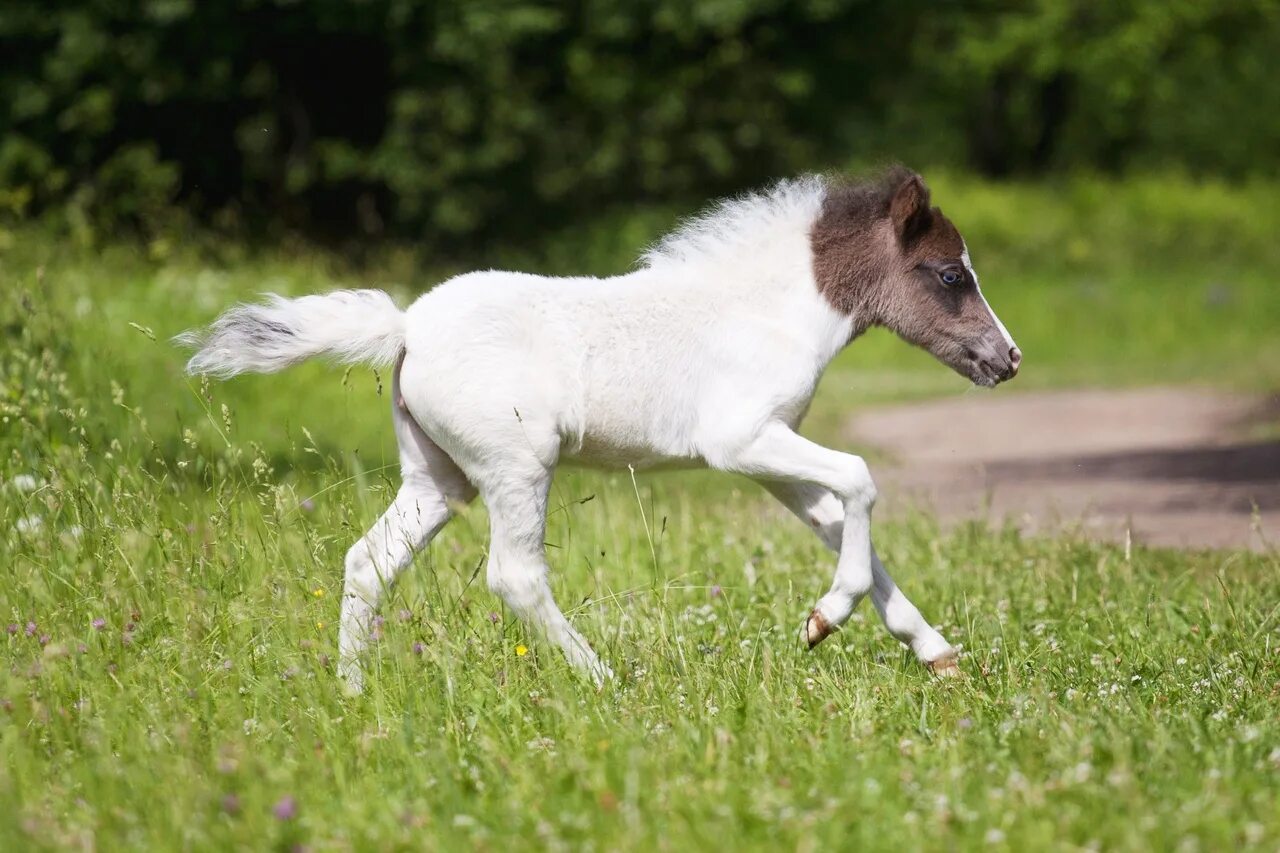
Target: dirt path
1171, 466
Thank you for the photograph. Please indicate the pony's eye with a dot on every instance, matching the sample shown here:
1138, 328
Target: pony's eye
950, 277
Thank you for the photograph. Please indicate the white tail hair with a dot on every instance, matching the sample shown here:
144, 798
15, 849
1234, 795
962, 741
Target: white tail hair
350, 326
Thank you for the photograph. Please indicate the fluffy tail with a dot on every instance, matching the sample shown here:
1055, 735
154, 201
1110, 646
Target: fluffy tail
349, 326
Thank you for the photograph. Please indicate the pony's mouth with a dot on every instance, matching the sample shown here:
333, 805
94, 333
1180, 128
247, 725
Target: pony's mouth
990, 372
985, 373
983, 364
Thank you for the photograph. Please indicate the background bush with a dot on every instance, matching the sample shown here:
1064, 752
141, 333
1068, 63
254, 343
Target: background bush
465, 120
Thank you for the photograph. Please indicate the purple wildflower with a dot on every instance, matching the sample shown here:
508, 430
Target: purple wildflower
44, 639
307, 505
231, 804
964, 723
715, 591
406, 615
494, 617
286, 809
31, 628
99, 623
13, 628
418, 647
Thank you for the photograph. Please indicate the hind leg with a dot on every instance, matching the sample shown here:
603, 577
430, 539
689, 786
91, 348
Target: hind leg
431, 482
517, 501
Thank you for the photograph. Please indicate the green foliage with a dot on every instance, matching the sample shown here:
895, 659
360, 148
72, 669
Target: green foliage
461, 120
1128, 84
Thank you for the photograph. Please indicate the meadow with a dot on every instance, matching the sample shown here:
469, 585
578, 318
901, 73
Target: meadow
173, 553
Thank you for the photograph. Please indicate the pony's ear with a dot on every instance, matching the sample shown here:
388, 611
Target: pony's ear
909, 209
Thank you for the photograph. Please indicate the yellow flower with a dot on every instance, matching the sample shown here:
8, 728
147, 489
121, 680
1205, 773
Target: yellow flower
318, 592
320, 625
522, 650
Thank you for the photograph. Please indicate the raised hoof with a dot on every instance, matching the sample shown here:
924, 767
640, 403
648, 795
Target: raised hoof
816, 628
947, 666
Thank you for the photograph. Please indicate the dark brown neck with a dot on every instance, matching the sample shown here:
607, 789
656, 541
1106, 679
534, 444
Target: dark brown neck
849, 257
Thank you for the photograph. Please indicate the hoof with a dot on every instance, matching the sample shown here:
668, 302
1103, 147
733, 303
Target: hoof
947, 666
603, 677
816, 629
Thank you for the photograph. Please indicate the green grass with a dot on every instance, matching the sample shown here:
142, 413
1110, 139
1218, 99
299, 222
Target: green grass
1112, 700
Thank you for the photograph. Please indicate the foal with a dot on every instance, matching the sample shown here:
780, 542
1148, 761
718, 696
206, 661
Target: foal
706, 355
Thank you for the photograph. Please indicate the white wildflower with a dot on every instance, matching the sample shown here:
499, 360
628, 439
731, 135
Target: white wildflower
24, 483
542, 744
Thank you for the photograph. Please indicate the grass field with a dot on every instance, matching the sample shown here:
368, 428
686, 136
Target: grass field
173, 554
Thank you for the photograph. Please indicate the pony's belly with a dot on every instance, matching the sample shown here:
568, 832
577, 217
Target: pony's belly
600, 449
623, 462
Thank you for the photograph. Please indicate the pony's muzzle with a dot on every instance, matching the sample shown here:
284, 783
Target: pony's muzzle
1001, 366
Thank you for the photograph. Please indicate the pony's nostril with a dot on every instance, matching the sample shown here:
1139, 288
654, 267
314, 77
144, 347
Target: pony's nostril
1015, 358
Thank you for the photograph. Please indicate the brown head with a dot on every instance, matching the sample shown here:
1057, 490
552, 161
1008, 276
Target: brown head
885, 257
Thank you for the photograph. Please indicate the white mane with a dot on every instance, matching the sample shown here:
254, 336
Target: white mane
748, 224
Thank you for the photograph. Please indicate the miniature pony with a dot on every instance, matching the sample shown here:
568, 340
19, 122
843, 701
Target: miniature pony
706, 355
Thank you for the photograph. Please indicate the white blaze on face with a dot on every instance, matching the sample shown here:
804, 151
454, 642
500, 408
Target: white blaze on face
1008, 339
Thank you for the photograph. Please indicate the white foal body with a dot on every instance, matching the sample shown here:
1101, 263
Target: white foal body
708, 355
669, 364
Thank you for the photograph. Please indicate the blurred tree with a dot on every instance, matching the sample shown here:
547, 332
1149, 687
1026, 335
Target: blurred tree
1124, 84
458, 120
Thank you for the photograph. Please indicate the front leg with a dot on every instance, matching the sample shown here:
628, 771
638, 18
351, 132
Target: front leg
822, 511
840, 510
777, 454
